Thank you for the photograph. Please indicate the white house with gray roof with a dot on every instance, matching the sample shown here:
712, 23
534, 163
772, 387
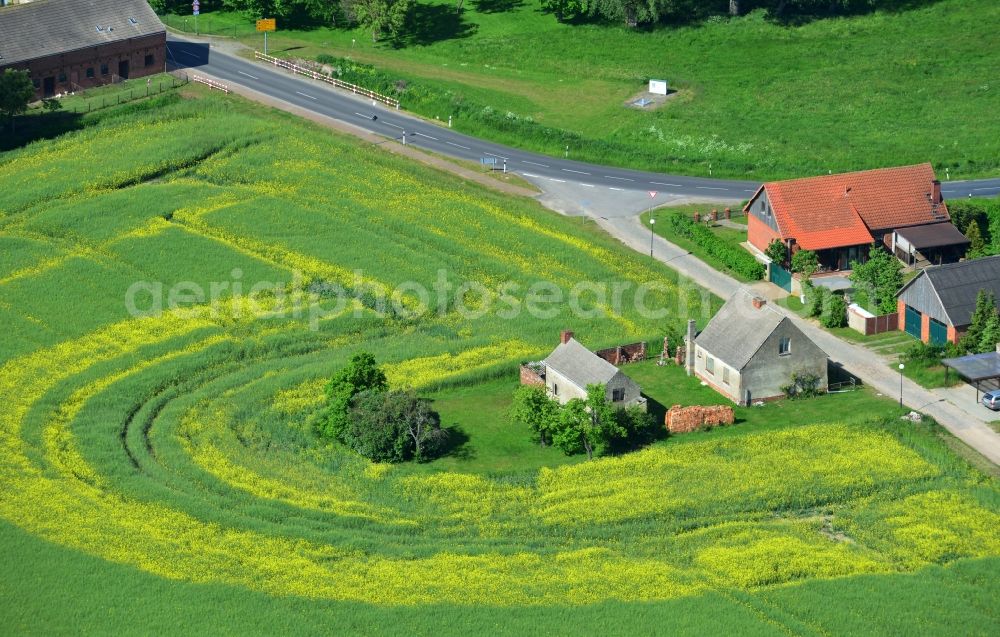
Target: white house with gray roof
571, 367
749, 350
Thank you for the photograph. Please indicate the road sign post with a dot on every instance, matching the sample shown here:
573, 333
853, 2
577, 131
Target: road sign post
195, 10
652, 221
265, 25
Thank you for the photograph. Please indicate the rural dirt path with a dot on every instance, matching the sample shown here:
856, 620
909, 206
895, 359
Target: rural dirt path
966, 422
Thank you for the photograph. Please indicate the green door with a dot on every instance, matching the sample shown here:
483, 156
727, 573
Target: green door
912, 322
781, 277
938, 333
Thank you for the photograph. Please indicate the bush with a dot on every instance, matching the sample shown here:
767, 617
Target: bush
803, 385
834, 311
920, 352
815, 299
736, 259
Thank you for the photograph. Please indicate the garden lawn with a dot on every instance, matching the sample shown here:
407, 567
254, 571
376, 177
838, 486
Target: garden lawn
732, 237
753, 99
164, 466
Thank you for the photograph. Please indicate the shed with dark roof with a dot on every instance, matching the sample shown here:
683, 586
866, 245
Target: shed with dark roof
937, 305
67, 45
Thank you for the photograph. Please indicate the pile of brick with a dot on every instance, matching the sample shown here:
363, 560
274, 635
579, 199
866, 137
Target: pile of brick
684, 419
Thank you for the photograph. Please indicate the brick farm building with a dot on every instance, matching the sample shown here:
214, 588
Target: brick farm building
69, 45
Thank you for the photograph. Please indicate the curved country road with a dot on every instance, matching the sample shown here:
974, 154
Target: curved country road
357, 111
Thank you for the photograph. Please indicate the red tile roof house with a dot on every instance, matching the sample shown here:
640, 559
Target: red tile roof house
839, 216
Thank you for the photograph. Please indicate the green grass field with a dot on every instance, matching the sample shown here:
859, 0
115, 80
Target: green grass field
160, 475
754, 99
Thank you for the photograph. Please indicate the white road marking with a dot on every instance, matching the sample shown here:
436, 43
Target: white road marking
492, 155
660, 183
191, 55
427, 136
710, 188
530, 175
458, 145
990, 188
534, 163
252, 77
579, 172
613, 188
559, 181
587, 185
393, 125
304, 95
618, 178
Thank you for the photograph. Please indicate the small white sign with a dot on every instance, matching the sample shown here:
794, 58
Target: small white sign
658, 87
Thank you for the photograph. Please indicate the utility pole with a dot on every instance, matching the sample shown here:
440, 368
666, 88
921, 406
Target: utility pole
651, 223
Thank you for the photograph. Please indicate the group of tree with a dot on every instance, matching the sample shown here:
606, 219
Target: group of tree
381, 424
588, 425
635, 12
979, 220
984, 330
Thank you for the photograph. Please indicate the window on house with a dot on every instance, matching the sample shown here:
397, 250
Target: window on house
725, 375
104, 69
149, 60
90, 72
617, 395
784, 346
710, 365
62, 78
555, 389
37, 82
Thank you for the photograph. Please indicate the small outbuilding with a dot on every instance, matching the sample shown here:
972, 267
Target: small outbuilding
937, 305
571, 367
750, 350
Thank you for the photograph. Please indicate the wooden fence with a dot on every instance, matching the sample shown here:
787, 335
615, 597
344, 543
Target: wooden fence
868, 324
210, 83
301, 70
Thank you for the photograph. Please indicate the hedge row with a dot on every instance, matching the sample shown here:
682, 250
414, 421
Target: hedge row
732, 257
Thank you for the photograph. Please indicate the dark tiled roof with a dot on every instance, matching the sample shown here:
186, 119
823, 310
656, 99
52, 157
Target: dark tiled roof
49, 27
933, 235
738, 330
958, 285
579, 365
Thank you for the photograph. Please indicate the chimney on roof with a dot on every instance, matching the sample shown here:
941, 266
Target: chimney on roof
758, 302
936, 196
564, 336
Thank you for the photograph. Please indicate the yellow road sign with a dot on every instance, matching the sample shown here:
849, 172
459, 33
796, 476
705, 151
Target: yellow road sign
269, 24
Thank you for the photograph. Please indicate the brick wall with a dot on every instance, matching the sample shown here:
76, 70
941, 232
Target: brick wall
67, 69
530, 376
759, 233
684, 419
623, 353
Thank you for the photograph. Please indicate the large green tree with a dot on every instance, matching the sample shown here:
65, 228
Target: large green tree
880, 276
589, 425
393, 426
16, 91
978, 338
532, 408
360, 374
380, 16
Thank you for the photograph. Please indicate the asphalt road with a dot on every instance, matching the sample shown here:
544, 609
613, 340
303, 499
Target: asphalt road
393, 124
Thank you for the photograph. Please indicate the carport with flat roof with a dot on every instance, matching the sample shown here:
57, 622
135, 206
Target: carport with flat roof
975, 368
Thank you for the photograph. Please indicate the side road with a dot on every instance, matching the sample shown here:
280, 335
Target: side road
965, 422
